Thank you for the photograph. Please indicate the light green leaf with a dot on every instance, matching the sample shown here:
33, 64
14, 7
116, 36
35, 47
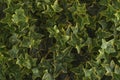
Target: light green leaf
88, 72
117, 15
19, 16
117, 69
49, 11
112, 64
47, 76
108, 69
100, 56
36, 73
104, 44
26, 61
56, 6
53, 31
108, 46
103, 24
118, 28
47, 1
77, 8
75, 29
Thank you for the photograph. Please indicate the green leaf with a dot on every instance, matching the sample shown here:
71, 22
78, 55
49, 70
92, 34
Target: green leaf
117, 69
7, 19
112, 64
53, 31
75, 29
19, 16
26, 61
117, 43
118, 28
56, 6
14, 52
47, 1
20, 61
78, 70
103, 34
28, 42
58, 69
49, 11
88, 72
104, 2
108, 46
70, 34
36, 73
117, 15
14, 38
116, 4
14, 70
116, 76
108, 69
77, 8
103, 24
104, 44
100, 56
47, 76
109, 13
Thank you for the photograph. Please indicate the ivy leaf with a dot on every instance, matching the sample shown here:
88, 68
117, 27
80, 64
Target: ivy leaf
14, 52
77, 70
103, 24
47, 76
100, 56
103, 34
88, 72
78, 8
116, 76
26, 61
7, 19
14, 38
112, 64
47, 1
58, 69
14, 70
109, 13
116, 4
108, 69
104, 2
28, 42
117, 69
56, 7
76, 42
117, 15
117, 43
75, 29
108, 46
118, 28
49, 11
36, 73
19, 16
53, 31
79, 13
20, 61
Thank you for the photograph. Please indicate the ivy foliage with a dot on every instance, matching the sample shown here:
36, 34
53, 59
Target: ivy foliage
59, 39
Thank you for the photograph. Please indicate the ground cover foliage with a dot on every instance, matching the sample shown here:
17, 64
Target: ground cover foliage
59, 40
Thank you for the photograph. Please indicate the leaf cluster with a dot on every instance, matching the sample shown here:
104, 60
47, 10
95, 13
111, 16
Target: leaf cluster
59, 40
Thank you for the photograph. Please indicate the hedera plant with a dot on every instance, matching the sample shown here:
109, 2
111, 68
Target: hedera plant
59, 40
